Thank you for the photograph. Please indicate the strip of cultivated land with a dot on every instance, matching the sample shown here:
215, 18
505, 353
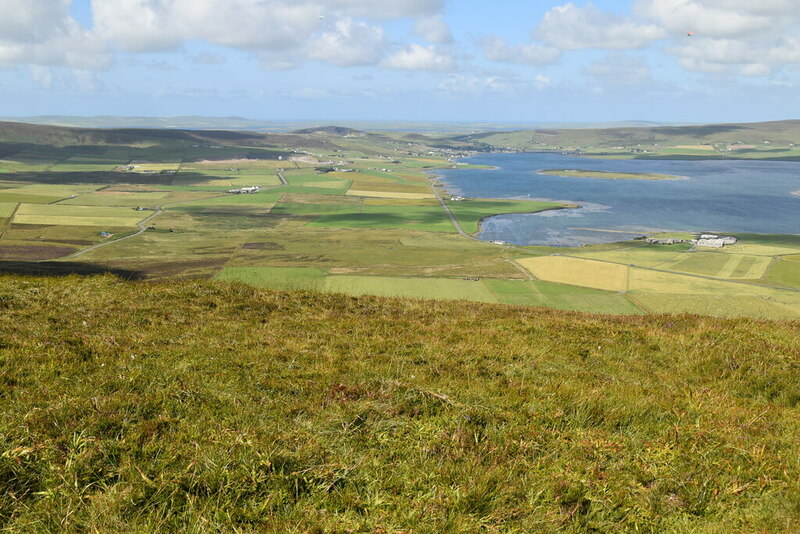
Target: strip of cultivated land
354, 212
608, 175
179, 406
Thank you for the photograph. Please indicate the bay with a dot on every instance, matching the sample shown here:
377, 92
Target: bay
720, 196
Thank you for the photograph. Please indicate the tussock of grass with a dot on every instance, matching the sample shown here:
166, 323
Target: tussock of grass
210, 407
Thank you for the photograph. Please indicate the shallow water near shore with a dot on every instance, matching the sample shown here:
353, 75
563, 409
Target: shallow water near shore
726, 196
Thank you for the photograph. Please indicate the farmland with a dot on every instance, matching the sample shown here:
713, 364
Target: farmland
606, 175
345, 214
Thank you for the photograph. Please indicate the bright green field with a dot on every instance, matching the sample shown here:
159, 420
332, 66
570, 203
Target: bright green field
262, 198
428, 218
517, 292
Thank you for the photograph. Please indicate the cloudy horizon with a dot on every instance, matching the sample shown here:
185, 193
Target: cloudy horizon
438, 60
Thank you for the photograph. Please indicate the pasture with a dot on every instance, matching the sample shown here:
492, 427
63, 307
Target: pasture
7, 208
66, 215
390, 194
579, 272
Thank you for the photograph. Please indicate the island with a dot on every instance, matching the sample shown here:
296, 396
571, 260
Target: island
609, 175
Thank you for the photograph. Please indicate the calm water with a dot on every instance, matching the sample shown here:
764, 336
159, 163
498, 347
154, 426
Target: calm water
717, 196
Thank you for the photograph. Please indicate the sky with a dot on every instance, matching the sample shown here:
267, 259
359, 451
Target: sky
698, 61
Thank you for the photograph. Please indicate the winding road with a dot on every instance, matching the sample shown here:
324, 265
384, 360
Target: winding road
142, 228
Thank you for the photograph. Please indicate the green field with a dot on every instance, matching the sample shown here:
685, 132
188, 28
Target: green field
517, 292
607, 175
7, 208
470, 212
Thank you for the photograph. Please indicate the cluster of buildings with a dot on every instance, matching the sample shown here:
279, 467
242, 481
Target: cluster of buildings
714, 241
244, 190
703, 240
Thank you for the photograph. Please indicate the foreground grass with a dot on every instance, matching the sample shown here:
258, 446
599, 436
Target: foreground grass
208, 407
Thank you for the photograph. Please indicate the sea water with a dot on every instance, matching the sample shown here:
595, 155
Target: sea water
720, 196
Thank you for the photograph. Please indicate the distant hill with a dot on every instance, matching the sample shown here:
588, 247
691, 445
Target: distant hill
785, 133
329, 130
59, 136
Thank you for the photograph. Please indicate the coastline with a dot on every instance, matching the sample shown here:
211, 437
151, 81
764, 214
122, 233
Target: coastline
435, 182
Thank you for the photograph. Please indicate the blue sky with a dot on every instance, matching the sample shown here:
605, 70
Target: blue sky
457, 60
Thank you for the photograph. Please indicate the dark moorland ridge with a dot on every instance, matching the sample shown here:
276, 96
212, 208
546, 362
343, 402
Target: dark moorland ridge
199, 406
786, 131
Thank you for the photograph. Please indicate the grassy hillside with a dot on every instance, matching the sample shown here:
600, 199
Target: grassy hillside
208, 407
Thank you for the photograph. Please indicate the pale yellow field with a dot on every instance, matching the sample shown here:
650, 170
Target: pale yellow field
754, 272
578, 272
696, 147
759, 250
156, 167
65, 215
389, 194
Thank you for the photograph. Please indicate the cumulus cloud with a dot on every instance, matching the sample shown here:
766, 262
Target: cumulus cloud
158, 25
350, 44
717, 18
738, 36
43, 33
571, 28
496, 49
418, 57
433, 29
283, 33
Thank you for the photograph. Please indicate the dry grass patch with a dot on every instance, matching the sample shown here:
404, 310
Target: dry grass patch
390, 194
578, 272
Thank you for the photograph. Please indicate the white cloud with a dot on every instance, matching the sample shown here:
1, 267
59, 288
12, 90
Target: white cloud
158, 25
459, 84
44, 33
433, 29
571, 28
417, 57
350, 44
496, 49
718, 18
752, 38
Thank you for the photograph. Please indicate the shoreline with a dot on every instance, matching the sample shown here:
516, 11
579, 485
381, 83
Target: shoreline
445, 188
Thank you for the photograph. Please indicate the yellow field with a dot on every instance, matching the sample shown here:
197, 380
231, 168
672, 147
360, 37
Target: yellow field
390, 194
756, 249
578, 272
696, 147
64, 215
155, 167
753, 272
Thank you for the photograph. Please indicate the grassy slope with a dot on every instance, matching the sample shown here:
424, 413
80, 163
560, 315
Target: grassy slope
207, 407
